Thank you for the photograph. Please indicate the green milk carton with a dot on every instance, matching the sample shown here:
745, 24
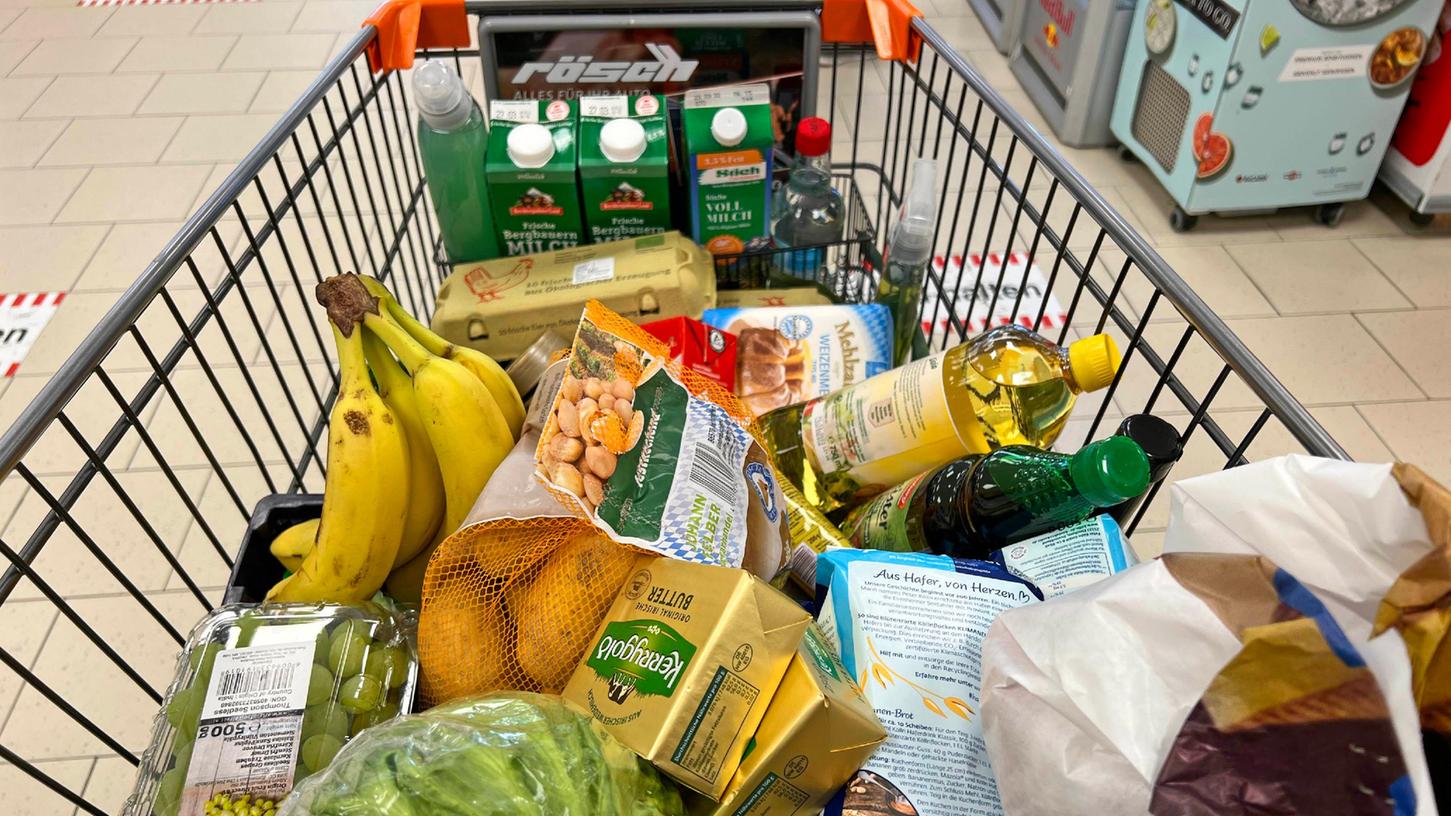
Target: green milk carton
624, 166
728, 140
530, 166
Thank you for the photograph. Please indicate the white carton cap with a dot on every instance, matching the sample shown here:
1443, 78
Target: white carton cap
622, 140
728, 126
531, 145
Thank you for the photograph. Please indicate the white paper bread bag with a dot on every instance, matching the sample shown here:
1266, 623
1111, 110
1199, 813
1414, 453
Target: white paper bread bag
1092, 698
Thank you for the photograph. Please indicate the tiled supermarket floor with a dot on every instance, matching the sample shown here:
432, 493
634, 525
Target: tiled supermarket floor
116, 122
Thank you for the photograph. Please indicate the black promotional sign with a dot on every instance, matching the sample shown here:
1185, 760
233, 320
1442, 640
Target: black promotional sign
1217, 14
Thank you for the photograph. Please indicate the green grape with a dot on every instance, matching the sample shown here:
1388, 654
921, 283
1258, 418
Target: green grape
184, 710
164, 806
324, 645
319, 750
199, 664
247, 626
388, 665
326, 718
168, 792
320, 686
351, 627
181, 752
346, 655
368, 719
361, 693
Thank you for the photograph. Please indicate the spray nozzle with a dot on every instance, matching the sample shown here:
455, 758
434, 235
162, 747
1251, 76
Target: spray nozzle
911, 240
441, 97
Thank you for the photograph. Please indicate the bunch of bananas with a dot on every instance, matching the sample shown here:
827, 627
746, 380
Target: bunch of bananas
409, 450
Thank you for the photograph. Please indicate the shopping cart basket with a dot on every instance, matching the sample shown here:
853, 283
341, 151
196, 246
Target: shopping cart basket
132, 474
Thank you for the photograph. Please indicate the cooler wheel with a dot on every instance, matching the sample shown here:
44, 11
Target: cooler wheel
1182, 221
1125, 155
1330, 214
1421, 219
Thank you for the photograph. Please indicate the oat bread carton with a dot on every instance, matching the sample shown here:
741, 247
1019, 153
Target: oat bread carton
818, 730
501, 306
624, 165
685, 664
728, 141
530, 165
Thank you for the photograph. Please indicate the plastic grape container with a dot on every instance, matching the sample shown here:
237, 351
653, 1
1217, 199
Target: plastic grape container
267, 695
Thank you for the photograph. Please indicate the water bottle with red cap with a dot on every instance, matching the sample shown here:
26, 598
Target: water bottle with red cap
808, 211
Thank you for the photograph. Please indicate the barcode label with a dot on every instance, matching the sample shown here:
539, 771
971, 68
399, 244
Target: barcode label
710, 471
255, 679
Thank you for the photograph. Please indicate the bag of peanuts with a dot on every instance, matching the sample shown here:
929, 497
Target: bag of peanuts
658, 456
511, 598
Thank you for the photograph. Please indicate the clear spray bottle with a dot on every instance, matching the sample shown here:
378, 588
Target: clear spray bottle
909, 250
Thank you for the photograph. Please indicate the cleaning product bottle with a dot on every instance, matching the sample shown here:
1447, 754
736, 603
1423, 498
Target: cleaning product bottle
807, 210
452, 143
908, 252
1008, 386
981, 503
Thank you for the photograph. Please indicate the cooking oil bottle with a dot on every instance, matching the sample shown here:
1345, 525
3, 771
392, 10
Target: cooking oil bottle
1008, 386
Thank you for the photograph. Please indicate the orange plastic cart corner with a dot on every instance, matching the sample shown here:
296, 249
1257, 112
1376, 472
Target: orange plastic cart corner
888, 23
404, 26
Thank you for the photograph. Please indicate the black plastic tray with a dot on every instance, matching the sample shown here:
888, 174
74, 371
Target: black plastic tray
256, 571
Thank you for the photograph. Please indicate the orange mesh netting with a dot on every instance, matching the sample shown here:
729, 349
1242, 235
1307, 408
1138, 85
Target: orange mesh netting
512, 604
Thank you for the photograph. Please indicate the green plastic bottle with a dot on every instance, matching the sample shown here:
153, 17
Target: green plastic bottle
974, 505
452, 142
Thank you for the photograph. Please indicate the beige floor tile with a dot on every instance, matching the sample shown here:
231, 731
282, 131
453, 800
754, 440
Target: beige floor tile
248, 18
1362, 218
203, 93
80, 671
1301, 350
50, 23
35, 196
71, 568
36, 259
13, 51
1418, 432
992, 66
1418, 265
17, 94
112, 780
332, 15
178, 54
1208, 270
8, 15
1418, 341
23, 143
24, 631
280, 89
152, 21
130, 248
226, 523
1316, 276
963, 31
256, 52
218, 138
92, 410
25, 795
76, 56
110, 194
116, 95
112, 141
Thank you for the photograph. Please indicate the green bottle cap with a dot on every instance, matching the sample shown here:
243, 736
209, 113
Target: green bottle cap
1110, 471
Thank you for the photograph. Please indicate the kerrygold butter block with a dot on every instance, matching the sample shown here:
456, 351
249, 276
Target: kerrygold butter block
685, 664
502, 306
817, 732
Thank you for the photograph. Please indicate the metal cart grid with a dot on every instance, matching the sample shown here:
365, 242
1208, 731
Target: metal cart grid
132, 473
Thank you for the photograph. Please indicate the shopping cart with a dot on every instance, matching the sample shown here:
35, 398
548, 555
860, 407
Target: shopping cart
131, 476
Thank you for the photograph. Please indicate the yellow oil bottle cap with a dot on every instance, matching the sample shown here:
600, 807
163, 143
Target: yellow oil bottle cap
1094, 361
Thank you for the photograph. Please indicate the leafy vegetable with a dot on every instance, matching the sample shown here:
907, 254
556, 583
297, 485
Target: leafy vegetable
503, 754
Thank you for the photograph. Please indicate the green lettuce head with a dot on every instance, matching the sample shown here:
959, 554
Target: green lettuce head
504, 754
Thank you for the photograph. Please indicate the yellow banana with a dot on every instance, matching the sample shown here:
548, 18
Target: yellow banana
465, 426
490, 373
365, 497
292, 545
425, 482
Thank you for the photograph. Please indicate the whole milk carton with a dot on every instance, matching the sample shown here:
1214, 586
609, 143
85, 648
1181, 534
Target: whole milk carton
530, 165
685, 664
624, 165
728, 141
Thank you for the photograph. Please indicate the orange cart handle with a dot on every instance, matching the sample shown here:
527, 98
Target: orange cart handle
404, 26
888, 23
